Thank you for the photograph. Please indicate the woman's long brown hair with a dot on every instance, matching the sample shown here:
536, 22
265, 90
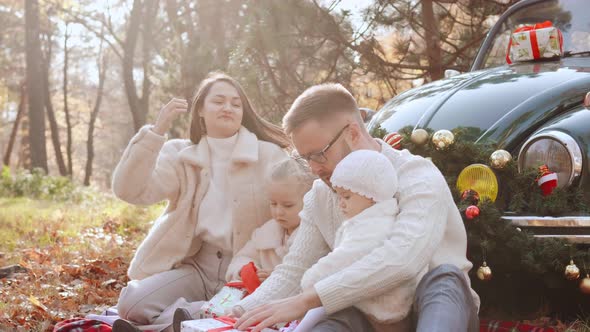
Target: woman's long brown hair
263, 129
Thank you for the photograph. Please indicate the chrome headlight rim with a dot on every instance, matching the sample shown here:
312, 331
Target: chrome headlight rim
567, 141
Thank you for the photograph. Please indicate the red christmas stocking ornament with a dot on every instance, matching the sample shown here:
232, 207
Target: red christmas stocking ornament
547, 180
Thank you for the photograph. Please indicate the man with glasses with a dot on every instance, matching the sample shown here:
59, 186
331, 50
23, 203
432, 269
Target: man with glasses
325, 125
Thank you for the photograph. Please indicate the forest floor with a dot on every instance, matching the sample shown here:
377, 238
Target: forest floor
70, 259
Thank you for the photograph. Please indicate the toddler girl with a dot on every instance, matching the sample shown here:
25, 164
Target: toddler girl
288, 183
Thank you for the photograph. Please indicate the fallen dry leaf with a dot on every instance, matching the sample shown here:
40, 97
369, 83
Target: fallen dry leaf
25, 264
35, 302
109, 282
35, 255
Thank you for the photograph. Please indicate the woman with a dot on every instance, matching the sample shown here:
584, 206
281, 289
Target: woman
214, 193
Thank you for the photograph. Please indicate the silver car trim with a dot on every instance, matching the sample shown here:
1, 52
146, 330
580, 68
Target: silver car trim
548, 225
581, 239
534, 221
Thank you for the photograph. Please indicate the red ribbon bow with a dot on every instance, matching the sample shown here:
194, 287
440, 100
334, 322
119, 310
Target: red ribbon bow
231, 322
535, 46
224, 319
227, 320
250, 280
249, 277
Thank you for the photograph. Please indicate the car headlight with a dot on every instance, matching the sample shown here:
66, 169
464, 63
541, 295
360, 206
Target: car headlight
558, 150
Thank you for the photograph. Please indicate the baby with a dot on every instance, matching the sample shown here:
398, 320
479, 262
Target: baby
365, 182
289, 181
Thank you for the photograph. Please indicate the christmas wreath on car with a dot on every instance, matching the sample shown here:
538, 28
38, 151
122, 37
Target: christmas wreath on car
513, 270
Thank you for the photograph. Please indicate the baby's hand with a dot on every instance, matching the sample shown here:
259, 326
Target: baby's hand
263, 274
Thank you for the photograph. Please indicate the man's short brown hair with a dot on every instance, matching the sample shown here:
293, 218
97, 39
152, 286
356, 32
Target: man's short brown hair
319, 102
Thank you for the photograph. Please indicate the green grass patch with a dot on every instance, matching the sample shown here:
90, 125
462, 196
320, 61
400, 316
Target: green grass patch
33, 223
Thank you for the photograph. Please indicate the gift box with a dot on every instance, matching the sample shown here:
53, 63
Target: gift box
541, 41
223, 301
206, 325
218, 324
231, 293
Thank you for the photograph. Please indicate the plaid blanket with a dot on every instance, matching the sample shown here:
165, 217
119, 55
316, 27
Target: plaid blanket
82, 325
503, 326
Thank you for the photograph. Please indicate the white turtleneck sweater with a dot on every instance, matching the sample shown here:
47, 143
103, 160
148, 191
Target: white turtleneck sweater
214, 225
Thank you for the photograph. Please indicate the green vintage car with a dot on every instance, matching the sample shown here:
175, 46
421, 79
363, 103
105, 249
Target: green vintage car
534, 110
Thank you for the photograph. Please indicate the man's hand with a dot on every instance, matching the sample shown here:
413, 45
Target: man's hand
284, 310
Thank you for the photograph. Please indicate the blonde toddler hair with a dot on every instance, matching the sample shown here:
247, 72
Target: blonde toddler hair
293, 171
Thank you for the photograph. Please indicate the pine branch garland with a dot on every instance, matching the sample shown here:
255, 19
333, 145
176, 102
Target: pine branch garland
528, 272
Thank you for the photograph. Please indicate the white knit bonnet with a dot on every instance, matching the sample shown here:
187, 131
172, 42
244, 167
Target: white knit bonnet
368, 173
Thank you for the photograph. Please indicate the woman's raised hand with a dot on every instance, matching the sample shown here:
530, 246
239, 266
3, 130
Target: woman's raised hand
168, 114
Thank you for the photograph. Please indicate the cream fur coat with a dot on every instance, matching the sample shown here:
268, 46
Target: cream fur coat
266, 249
153, 169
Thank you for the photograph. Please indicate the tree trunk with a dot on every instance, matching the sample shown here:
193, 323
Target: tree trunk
432, 37
14, 131
191, 69
50, 112
24, 155
102, 67
190, 73
66, 107
138, 105
35, 86
149, 16
128, 55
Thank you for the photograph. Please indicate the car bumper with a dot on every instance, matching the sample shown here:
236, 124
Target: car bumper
575, 229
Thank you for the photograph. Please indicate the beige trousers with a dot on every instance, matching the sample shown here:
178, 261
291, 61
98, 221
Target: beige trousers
151, 302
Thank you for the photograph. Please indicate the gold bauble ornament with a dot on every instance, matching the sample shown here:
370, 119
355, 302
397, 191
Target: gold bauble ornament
442, 139
484, 272
571, 271
419, 136
500, 158
585, 285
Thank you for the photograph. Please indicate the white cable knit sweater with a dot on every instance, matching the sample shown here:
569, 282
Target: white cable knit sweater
356, 238
429, 232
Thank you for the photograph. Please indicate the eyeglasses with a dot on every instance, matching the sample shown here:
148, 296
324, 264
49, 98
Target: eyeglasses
320, 157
